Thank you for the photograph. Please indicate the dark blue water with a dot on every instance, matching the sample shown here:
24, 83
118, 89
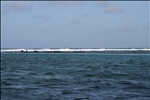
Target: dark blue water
75, 76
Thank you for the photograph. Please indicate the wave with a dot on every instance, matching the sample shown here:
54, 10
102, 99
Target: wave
75, 50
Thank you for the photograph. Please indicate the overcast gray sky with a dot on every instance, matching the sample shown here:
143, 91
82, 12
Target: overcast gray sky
75, 24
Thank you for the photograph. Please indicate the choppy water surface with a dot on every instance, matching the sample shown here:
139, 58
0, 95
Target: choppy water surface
75, 76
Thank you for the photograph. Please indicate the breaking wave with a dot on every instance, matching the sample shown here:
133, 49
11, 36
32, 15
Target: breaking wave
77, 50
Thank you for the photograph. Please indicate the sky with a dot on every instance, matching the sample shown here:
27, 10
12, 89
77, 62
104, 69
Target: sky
75, 24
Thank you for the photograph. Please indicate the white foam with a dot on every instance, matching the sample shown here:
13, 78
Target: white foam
72, 50
11, 50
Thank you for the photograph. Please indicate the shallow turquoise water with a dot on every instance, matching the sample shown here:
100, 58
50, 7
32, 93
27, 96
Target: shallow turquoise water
75, 76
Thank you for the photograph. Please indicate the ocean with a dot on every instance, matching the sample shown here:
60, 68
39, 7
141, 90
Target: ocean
75, 76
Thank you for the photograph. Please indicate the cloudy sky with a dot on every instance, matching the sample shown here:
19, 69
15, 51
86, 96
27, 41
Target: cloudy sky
75, 24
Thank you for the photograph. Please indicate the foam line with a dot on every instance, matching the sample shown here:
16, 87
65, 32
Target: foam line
71, 50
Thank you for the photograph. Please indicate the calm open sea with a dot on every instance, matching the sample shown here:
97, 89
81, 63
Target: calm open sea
75, 76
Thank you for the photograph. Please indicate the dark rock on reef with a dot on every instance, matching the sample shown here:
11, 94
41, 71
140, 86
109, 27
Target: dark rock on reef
24, 51
35, 51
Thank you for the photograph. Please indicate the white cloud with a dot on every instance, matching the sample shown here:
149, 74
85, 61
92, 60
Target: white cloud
21, 6
15, 6
109, 8
113, 9
68, 3
45, 4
